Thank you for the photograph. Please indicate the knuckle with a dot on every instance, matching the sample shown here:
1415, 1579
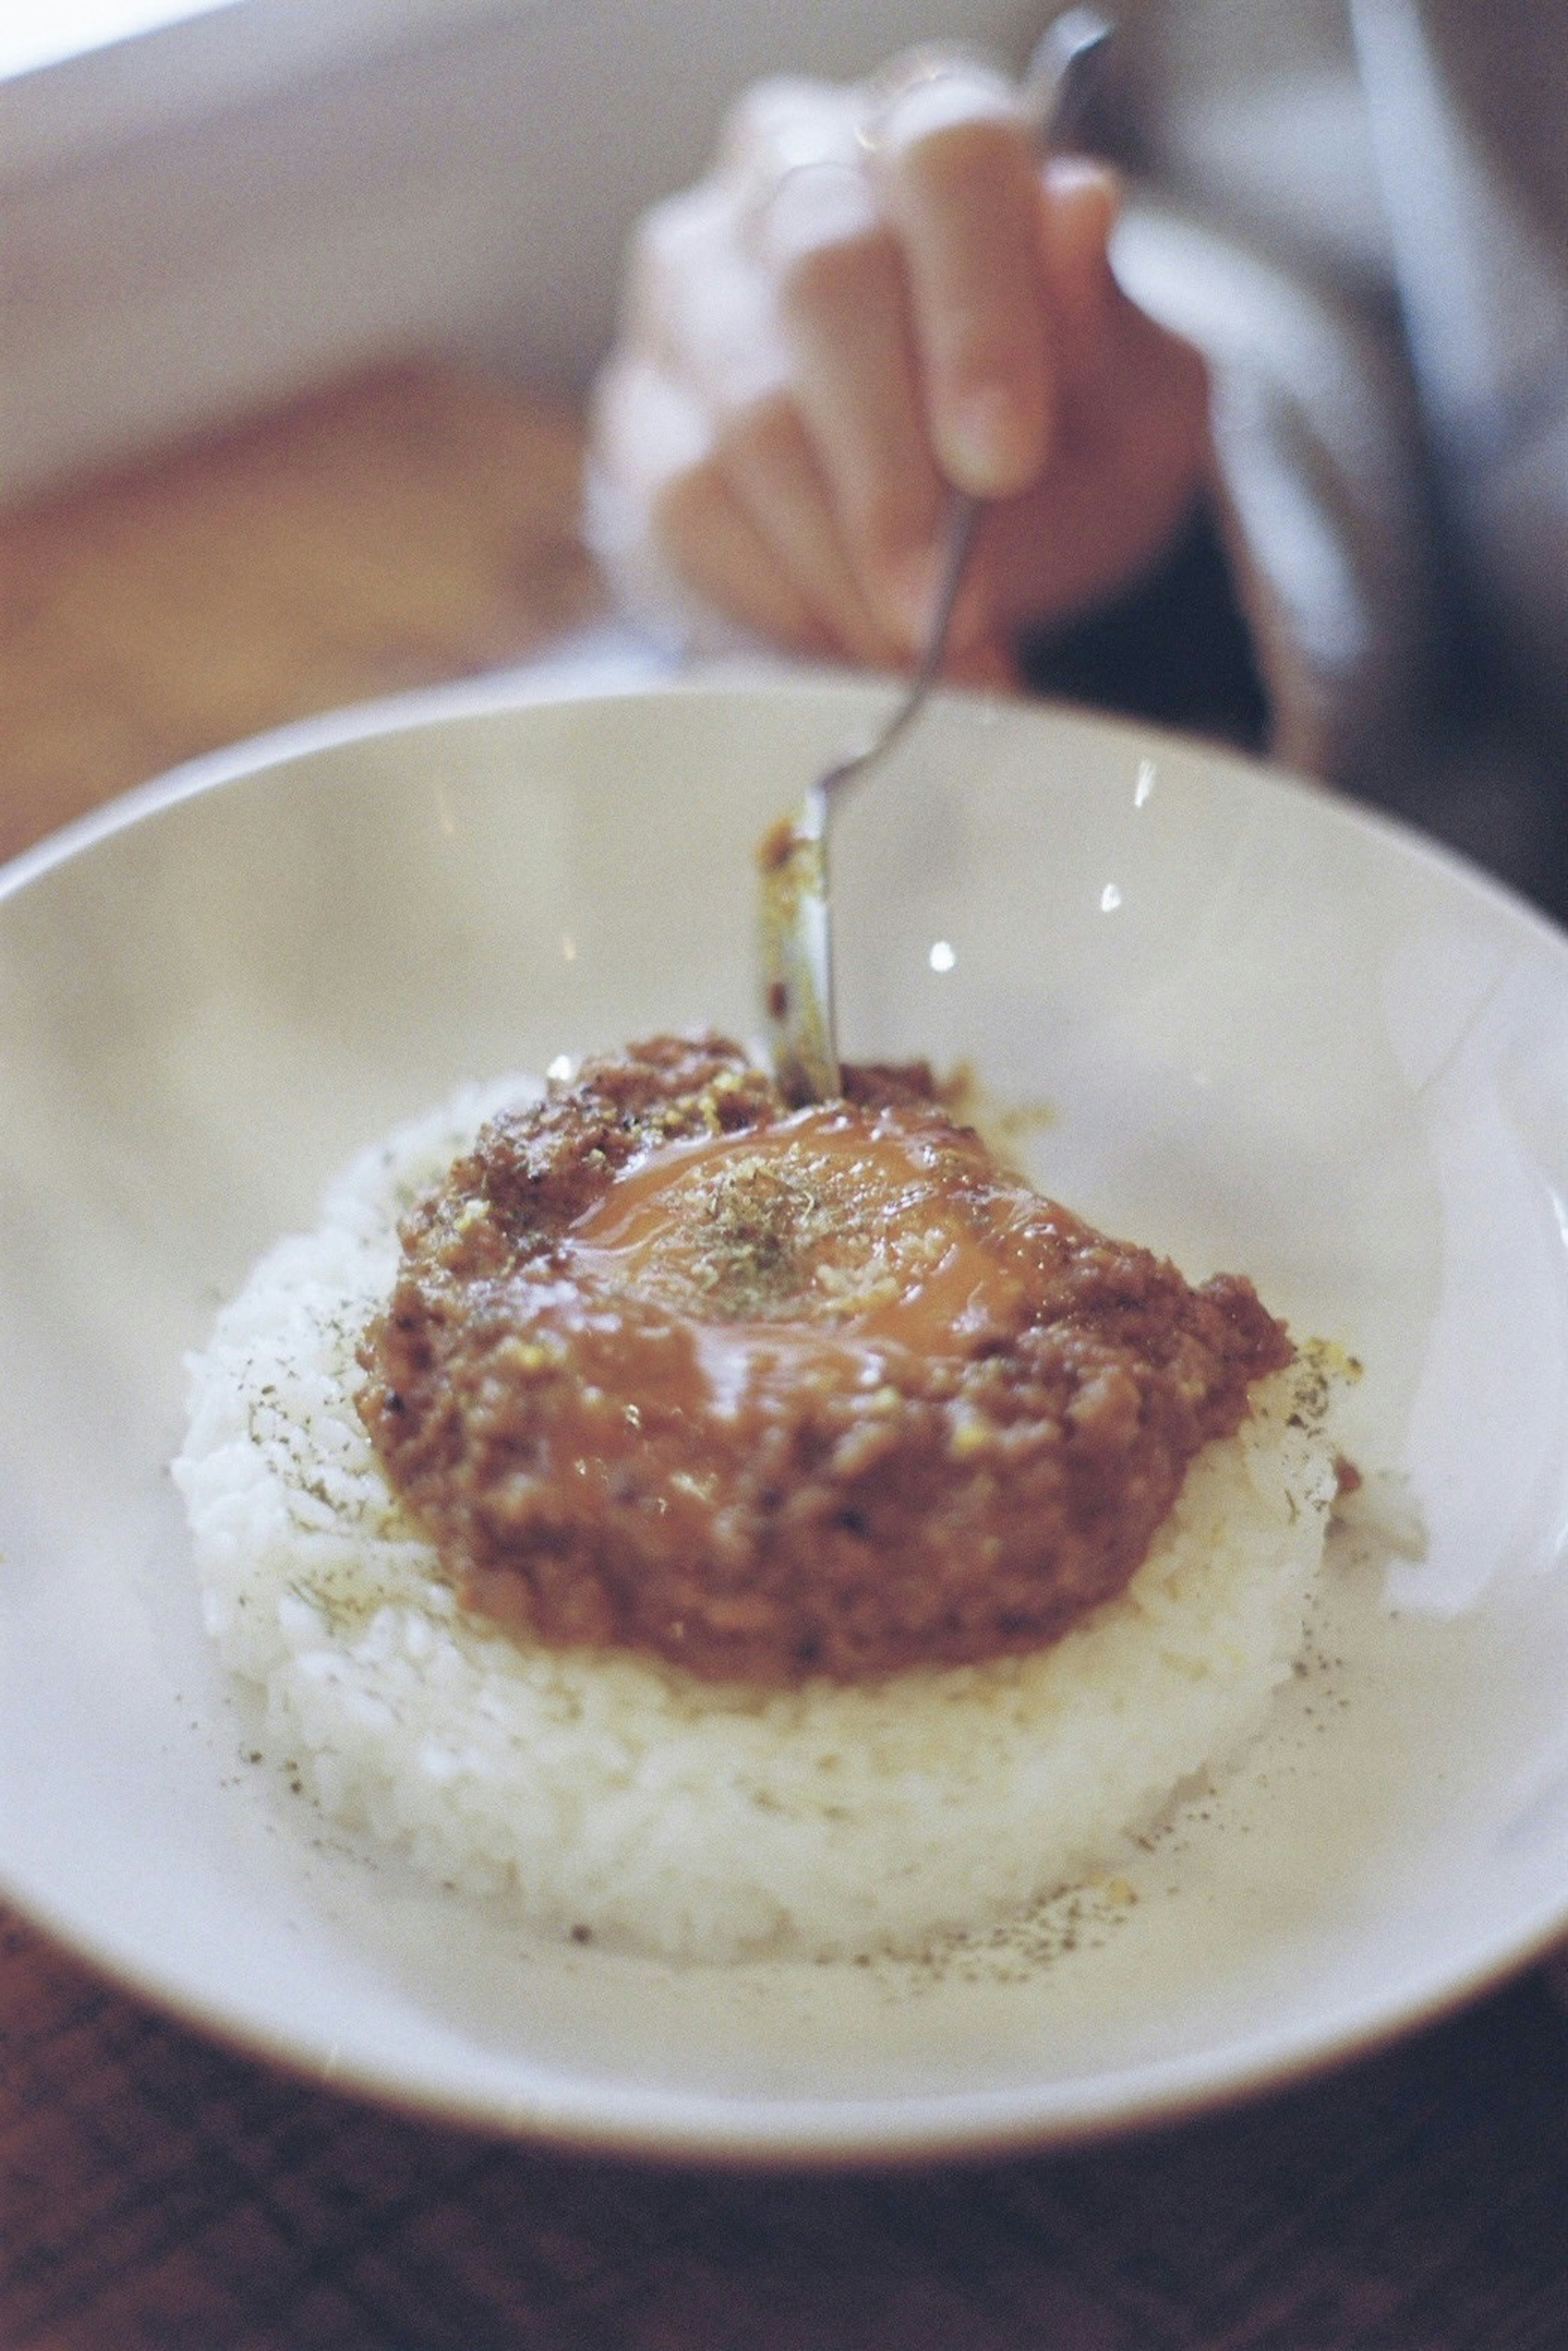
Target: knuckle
892, 517
664, 226
778, 101
832, 270
973, 160
683, 509
963, 100
668, 235
885, 529
759, 426
679, 248
657, 262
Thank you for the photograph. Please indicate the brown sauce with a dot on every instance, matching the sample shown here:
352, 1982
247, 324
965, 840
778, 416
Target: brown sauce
670, 1366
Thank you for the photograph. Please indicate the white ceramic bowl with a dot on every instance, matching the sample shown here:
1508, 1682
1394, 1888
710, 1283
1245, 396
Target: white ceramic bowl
1259, 1030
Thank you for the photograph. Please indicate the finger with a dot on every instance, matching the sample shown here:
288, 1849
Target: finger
704, 310
956, 170
784, 120
707, 313
669, 526
696, 306
718, 551
768, 460
1080, 202
844, 316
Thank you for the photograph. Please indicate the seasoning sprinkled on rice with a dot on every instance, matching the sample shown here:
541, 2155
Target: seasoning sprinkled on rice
707, 1815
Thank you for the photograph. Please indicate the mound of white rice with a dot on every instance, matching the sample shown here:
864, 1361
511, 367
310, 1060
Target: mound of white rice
623, 1799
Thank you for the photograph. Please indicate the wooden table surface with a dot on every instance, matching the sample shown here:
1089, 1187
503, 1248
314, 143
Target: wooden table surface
157, 2190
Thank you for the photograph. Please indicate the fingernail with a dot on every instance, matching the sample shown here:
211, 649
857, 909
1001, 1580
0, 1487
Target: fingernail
987, 442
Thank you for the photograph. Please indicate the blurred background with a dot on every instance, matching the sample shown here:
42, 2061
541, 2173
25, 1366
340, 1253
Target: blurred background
213, 212
299, 300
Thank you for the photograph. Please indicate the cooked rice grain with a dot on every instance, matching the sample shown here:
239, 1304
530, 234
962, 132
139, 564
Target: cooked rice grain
617, 1795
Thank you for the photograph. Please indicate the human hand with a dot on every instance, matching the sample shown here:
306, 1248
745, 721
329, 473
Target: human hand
874, 297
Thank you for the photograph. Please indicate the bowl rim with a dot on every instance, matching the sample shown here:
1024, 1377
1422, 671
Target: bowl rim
824, 2134
497, 695
820, 2133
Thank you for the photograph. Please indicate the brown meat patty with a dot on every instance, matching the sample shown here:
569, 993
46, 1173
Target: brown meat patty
772, 1392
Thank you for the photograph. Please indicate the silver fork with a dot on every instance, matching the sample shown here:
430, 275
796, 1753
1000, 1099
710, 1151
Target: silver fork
796, 944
